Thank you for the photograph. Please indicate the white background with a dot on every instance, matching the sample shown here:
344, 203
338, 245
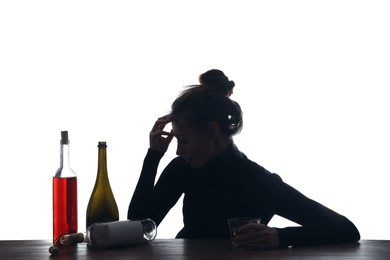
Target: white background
312, 78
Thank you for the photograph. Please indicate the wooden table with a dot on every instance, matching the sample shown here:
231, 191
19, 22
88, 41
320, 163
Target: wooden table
165, 249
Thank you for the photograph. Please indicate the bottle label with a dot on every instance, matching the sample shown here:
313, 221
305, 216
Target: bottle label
116, 233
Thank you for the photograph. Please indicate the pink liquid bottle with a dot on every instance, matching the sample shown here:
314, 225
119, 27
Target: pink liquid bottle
64, 194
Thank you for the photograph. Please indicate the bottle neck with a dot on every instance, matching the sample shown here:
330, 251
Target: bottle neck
64, 159
102, 164
65, 170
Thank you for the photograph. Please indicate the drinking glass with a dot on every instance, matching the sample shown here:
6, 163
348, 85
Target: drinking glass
237, 222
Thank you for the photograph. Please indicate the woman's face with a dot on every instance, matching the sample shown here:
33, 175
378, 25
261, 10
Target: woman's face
196, 148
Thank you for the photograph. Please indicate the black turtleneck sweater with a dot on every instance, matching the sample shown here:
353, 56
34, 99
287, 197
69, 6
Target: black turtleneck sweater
228, 186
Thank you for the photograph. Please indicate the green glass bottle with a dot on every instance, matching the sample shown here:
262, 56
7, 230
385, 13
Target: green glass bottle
102, 206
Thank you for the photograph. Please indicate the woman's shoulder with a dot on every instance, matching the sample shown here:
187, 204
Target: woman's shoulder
250, 167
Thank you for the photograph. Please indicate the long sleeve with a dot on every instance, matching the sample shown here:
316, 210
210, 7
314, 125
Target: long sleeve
319, 224
150, 200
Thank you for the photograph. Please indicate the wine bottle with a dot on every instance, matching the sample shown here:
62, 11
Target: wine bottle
114, 234
102, 206
64, 194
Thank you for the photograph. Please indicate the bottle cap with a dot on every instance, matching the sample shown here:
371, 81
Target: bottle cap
64, 137
102, 144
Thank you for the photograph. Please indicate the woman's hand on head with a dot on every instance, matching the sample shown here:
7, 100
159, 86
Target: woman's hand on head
158, 138
257, 236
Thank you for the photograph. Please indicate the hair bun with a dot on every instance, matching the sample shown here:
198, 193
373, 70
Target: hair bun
217, 79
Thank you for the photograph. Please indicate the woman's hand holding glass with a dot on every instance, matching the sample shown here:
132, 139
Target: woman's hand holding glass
257, 236
158, 138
